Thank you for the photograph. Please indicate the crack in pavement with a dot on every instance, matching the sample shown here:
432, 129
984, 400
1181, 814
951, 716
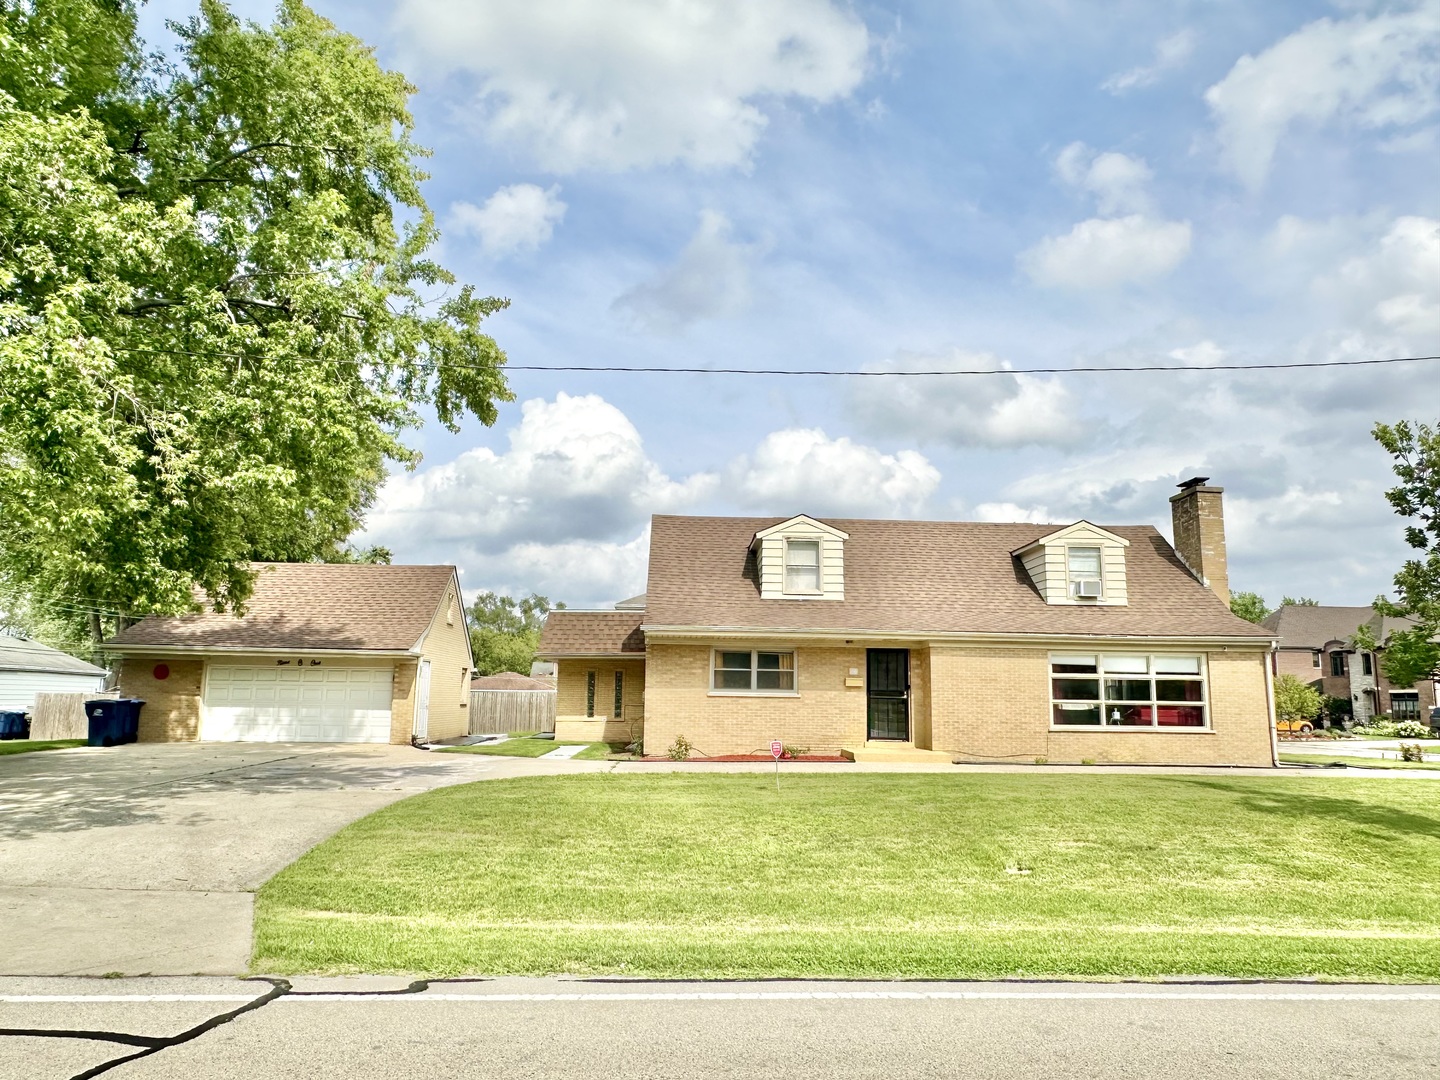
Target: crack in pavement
154, 1044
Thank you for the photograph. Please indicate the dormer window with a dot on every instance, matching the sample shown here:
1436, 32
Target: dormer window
802, 566
1083, 566
800, 559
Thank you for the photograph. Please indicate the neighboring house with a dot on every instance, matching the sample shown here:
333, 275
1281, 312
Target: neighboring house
987, 642
28, 668
323, 653
1317, 646
510, 680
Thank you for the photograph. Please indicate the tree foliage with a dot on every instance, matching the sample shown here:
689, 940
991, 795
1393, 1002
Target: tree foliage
217, 316
1413, 654
1295, 700
505, 632
1304, 601
1249, 606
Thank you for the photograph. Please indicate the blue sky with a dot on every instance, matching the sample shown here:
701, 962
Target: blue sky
812, 183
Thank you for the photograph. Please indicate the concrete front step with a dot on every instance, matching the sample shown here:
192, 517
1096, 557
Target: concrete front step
895, 752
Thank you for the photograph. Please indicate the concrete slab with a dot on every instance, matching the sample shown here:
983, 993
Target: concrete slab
144, 859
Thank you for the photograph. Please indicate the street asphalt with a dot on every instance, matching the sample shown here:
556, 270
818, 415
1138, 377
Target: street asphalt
367, 1029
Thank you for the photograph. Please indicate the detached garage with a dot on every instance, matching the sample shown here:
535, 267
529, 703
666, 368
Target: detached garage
323, 653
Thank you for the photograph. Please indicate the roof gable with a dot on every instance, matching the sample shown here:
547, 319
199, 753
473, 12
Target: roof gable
801, 520
1081, 530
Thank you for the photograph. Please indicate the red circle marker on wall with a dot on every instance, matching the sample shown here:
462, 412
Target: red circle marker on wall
162, 671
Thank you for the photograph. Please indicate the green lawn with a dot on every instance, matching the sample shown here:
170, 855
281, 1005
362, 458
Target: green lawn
524, 746
874, 876
25, 746
1359, 762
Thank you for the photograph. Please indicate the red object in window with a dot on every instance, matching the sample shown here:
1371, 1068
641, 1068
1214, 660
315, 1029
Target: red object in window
161, 672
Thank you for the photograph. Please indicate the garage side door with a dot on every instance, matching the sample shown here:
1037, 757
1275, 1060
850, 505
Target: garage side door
259, 703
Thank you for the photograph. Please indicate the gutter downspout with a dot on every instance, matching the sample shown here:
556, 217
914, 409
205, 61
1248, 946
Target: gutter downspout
1270, 705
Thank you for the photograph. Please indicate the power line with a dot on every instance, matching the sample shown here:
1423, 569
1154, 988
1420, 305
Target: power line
973, 371
836, 372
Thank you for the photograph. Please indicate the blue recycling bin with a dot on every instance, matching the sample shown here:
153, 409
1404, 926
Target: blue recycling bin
13, 724
113, 721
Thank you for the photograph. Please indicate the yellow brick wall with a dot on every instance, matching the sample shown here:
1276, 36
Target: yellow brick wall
994, 704
402, 701
172, 706
447, 647
825, 716
571, 723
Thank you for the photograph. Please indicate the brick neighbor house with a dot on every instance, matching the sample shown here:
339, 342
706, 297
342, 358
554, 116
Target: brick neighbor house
323, 653
1316, 645
983, 642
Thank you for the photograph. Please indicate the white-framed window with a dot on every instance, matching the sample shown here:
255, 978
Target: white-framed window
1128, 690
1082, 565
752, 671
802, 566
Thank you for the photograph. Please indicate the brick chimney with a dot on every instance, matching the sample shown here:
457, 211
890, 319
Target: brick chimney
1199, 521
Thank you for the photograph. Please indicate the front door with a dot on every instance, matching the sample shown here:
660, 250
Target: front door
887, 693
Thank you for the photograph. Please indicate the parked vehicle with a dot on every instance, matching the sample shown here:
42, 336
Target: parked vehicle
1435, 720
1294, 726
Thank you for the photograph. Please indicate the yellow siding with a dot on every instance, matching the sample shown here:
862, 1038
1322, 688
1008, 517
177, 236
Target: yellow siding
447, 646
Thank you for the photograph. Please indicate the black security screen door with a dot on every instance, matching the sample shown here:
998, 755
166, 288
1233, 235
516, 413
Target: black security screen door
887, 693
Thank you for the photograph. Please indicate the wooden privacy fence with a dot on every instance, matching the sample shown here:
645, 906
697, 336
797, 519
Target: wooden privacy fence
494, 711
62, 716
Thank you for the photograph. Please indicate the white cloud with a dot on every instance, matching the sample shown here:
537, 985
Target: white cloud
710, 279
1118, 181
802, 470
576, 470
1012, 512
1394, 287
1104, 252
520, 217
1377, 73
635, 83
1170, 53
1201, 354
968, 410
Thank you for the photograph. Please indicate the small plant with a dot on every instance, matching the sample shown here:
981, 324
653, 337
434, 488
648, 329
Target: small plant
1042, 761
1087, 761
793, 752
679, 749
1412, 751
1412, 729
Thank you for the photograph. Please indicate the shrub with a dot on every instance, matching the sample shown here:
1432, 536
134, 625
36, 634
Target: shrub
793, 752
1042, 761
1412, 751
1379, 728
679, 749
1412, 729
1087, 761
1295, 700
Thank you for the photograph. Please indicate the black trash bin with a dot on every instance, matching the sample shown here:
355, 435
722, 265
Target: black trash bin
113, 721
13, 724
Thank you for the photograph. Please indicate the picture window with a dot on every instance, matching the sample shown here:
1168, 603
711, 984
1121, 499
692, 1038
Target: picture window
1127, 690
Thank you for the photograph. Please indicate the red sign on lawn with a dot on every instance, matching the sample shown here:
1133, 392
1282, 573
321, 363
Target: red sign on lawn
777, 749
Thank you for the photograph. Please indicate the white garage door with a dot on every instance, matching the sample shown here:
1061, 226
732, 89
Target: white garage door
257, 703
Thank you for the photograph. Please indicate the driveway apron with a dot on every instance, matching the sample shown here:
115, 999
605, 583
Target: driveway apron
145, 858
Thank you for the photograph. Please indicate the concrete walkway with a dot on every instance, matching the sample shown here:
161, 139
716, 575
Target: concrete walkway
145, 858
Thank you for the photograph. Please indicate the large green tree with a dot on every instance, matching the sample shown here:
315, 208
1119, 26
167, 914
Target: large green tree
1249, 606
1413, 654
505, 631
217, 317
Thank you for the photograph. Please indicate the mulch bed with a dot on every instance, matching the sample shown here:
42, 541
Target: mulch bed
750, 757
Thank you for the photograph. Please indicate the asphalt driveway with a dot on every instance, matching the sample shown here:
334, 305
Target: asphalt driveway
145, 858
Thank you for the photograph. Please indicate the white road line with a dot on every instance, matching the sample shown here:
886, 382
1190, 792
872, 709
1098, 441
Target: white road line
750, 995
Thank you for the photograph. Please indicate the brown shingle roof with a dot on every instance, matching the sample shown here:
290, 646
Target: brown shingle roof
351, 606
1307, 626
922, 576
592, 633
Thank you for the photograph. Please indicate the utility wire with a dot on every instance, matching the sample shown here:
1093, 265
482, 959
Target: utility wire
1083, 369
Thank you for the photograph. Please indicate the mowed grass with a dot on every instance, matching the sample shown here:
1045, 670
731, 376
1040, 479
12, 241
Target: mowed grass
1362, 762
512, 747
874, 876
26, 746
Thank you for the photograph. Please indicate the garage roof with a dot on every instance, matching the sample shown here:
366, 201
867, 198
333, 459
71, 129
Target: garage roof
22, 654
340, 607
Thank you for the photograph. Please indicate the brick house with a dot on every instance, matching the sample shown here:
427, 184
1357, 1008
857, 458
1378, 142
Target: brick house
912, 639
1316, 645
323, 653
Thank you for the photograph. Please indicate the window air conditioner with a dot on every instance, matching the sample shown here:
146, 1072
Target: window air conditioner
1087, 589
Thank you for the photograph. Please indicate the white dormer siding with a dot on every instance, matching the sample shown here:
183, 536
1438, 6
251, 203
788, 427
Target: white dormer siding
771, 557
1048, 562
